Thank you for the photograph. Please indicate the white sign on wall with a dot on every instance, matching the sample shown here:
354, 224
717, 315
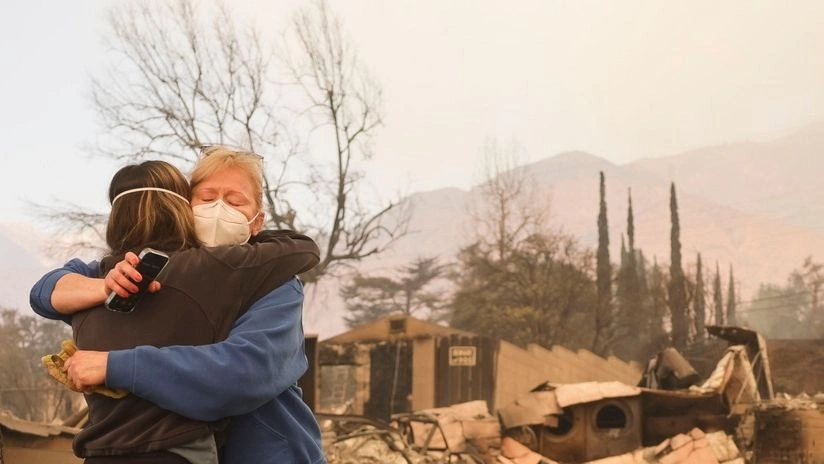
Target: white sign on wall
462, 356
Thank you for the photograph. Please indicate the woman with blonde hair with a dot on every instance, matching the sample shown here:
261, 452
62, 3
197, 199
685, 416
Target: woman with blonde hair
252, 375
205, 290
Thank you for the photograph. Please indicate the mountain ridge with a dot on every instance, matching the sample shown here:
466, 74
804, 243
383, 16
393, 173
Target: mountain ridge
761, 242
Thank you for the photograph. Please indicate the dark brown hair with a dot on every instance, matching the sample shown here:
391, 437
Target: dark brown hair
150, 218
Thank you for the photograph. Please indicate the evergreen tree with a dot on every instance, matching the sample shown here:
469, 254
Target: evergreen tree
811, 276
643, 282
677, 284
699, 303
623, 253
622, 313
542, 292
718, 297
620, 300
731, 318
652, 322
633, 287
630, 223
372, 297
25, 390
658, 309
603, 277
630, 344
781, 311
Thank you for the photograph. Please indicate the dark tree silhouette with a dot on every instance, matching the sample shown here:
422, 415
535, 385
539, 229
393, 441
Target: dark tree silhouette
677, 292
718, 297
603, 277
732, 319
699, 301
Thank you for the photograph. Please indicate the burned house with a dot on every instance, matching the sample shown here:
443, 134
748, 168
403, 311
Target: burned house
669, 414
577, 422
27, 442
594, 420
401, 364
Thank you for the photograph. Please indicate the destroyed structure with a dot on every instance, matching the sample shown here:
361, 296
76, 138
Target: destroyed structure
400, 364
27, 442
669, 413
406, 391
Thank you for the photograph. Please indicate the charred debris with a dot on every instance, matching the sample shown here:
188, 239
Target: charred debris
671, 415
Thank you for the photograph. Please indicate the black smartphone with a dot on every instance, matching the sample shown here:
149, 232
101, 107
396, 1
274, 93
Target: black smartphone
150, 265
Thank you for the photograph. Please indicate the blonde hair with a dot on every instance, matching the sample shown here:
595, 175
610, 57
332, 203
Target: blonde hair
219, 157
150, 218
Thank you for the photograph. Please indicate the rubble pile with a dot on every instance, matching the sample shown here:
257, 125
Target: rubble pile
350, 439
696, 447
464, 431
515, 452
733, 416
789, 429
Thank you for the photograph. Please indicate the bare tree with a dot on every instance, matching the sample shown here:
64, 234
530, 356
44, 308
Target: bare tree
412, 291
346, 107
180, 78
519, 279
87, 229
508, 208
26, 390
811, 277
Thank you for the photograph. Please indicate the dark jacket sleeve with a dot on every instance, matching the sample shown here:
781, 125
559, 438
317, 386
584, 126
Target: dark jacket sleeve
303, 251
257, 268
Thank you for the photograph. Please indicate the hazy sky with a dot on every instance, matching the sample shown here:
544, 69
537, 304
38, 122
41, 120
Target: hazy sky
620, 79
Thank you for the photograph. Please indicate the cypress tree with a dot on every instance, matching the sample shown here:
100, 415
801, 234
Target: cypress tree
625, 340
658, 307
731, 319
700, 305
630, 225
633, 284
646, 310
677, 287
623, 251
718, 297
631, 311
620, 302
643, 279
603, 274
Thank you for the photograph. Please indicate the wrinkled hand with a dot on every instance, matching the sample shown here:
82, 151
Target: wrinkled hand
121, 279
89, 377
87, 368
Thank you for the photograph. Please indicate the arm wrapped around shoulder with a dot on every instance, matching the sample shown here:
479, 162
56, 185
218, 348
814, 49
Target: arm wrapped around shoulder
303, 251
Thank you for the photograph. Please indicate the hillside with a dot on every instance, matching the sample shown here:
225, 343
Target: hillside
779, 179
750, 206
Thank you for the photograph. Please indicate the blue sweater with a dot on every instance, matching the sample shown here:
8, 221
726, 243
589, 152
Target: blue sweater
250, 377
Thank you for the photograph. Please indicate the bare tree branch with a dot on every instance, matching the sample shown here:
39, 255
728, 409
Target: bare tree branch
82, 232
509, 208
179, 78
347, 105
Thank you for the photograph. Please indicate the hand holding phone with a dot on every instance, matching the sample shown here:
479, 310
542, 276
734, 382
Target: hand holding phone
151, 263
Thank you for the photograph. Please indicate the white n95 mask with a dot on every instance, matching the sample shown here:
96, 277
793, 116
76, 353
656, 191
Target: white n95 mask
217, 223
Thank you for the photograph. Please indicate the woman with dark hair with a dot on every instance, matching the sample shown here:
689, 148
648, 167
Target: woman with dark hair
205, 289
